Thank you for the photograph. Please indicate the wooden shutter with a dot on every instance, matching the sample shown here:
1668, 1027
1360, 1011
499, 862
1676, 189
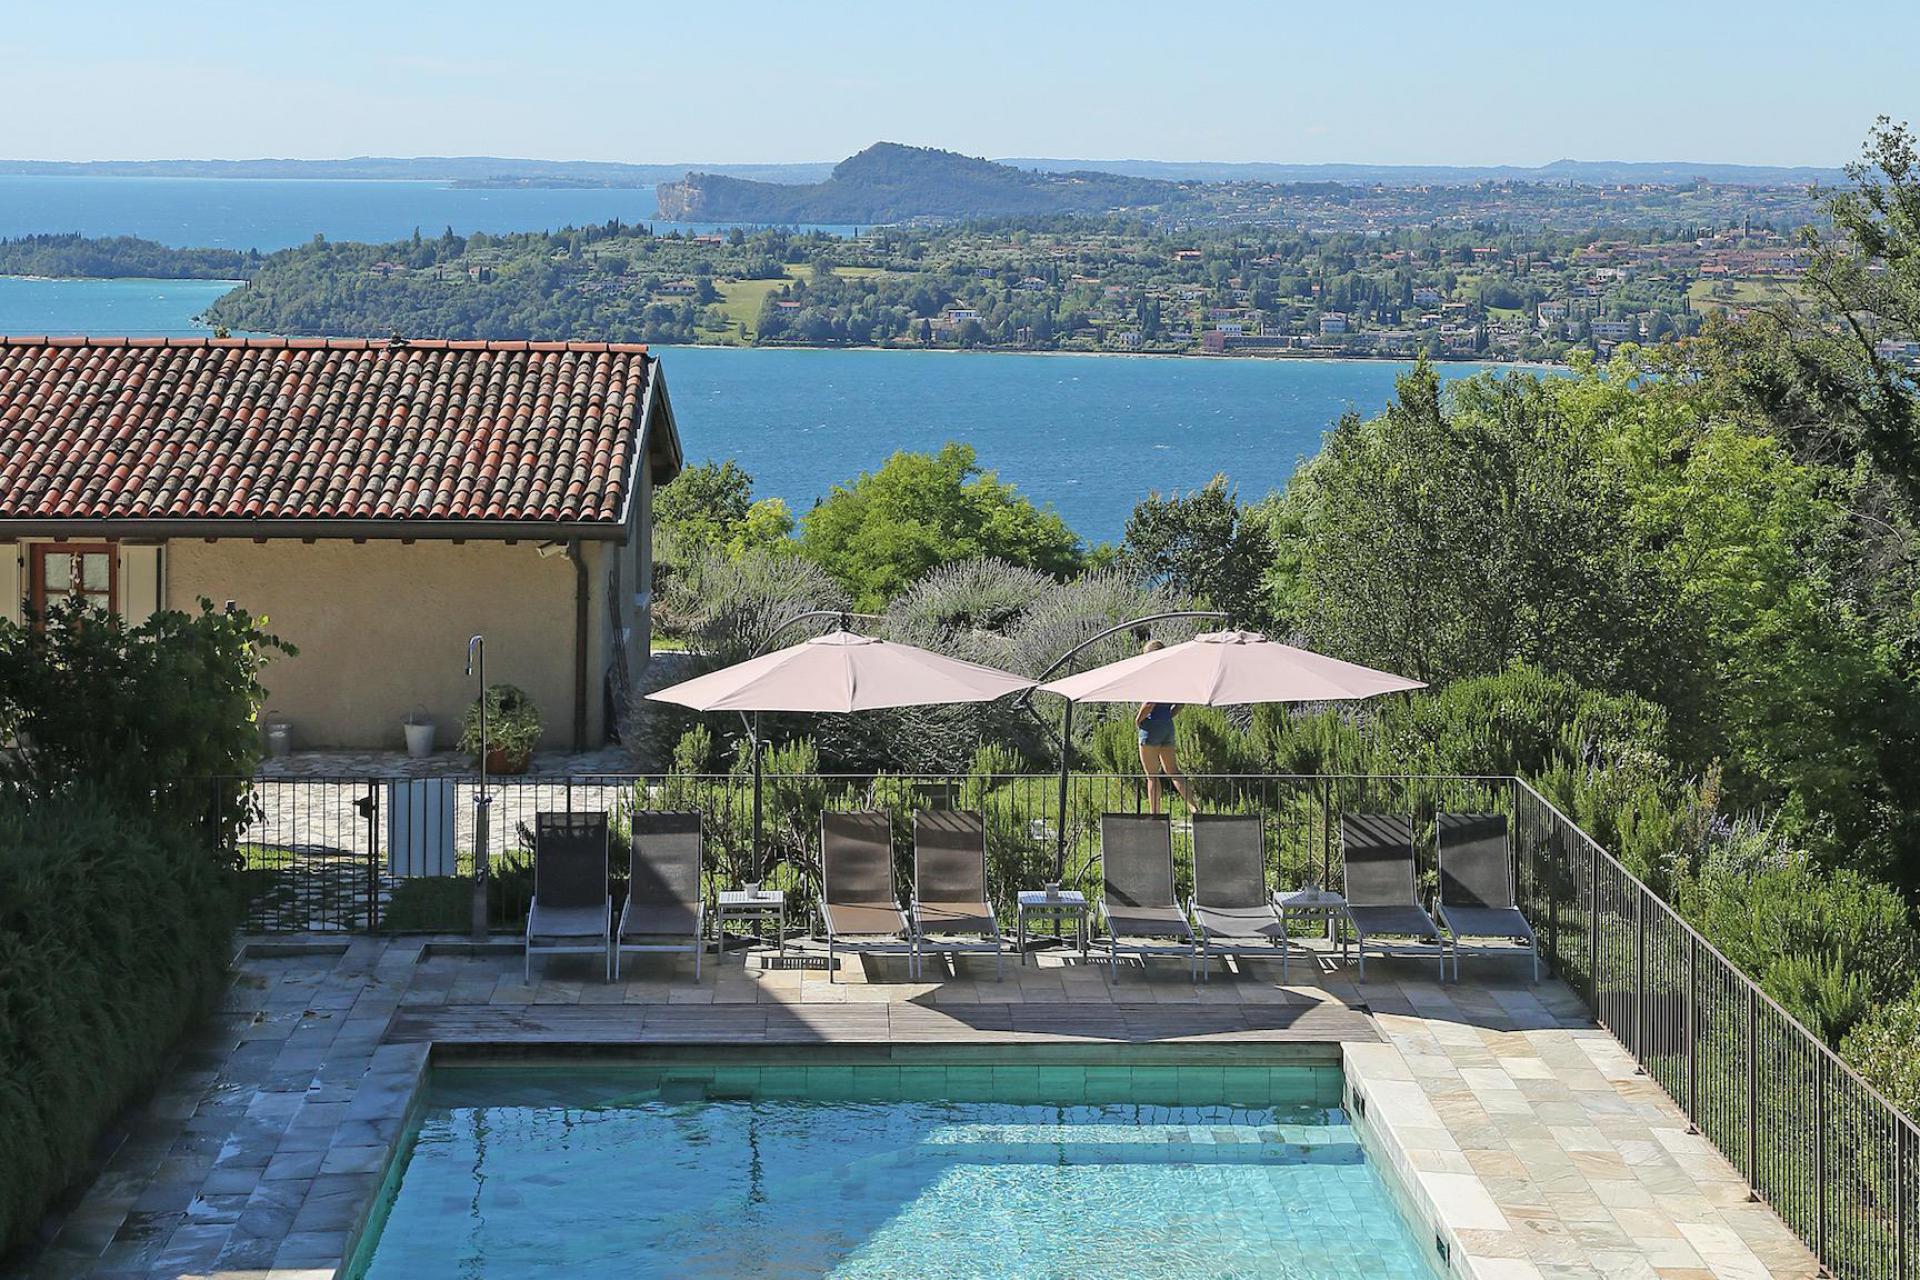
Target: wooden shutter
13, 583
139, 583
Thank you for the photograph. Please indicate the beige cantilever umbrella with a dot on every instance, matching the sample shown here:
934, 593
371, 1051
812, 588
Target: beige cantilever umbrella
1228, 669
1221, 669
837, 672
841, 671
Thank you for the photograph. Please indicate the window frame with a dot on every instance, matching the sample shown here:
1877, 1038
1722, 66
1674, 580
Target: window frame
37, 571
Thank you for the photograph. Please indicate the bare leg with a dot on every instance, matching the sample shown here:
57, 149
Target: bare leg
1179, 781
1148, 765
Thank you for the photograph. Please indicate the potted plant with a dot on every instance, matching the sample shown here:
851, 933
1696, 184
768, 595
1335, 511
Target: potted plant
513, 728
418, 729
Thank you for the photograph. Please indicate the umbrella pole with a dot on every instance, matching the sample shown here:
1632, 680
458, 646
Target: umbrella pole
758, 859
1066, 764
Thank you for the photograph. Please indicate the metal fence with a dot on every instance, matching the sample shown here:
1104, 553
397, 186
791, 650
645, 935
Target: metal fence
361, 853
1832, 1157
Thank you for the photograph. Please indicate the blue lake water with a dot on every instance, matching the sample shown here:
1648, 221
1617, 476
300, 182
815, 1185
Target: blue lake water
275, 213
1092, 435
146, 308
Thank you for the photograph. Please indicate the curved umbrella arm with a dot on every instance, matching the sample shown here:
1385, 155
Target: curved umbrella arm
1025, 699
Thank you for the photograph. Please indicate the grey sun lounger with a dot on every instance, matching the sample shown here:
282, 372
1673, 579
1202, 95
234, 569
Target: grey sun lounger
1476, 884
1137, 898
950, 885
858, 904
572, 912
1381, 897
1231, 904
665, 910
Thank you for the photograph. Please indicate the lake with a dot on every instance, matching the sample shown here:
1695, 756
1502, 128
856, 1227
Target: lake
1090, 434
276, 213
147, 308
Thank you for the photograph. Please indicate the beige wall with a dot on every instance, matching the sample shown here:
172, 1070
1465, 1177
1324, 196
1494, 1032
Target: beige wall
382, 627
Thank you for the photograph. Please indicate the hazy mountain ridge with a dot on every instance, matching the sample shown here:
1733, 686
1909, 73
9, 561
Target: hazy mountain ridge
1662, 172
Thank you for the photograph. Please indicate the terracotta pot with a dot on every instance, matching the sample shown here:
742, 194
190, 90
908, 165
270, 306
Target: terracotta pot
498, 761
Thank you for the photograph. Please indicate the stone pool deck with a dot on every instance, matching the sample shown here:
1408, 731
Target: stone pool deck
1517, 1128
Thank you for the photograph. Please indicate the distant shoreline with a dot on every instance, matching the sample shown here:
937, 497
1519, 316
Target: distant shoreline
1276, 357
1315, 357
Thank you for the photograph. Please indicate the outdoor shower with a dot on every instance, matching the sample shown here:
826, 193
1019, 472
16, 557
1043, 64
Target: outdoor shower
477, 663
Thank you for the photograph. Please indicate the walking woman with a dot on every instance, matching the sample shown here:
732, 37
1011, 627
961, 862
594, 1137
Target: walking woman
1155, 721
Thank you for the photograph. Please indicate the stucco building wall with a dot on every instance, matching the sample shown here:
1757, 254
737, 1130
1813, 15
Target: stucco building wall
382, 627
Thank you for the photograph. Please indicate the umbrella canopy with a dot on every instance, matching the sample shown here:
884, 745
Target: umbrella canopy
1228, 668
841, 671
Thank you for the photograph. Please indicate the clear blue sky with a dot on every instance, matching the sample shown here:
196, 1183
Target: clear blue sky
1382, 82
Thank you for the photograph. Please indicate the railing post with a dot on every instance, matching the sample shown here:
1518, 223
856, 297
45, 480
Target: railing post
1640, 975
1593, 929
1693, 1028
1753, 1087
373, 856
1900, 1206
1820, 1155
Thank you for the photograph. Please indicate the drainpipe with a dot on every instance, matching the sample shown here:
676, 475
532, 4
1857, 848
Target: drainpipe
580, 613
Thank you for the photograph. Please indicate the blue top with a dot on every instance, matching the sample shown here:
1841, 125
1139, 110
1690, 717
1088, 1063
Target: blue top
1157, 729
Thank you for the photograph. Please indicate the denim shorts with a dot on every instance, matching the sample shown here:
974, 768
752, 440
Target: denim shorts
1156, 735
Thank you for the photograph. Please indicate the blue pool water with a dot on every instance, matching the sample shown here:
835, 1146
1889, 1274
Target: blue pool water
689, 1171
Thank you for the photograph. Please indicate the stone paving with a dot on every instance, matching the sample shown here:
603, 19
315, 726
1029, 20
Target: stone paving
1511, 1123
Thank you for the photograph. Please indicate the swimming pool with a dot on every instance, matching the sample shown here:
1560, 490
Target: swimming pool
784, 1168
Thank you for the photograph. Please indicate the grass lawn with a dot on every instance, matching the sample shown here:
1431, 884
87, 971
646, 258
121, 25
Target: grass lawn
741, 300
1717, 295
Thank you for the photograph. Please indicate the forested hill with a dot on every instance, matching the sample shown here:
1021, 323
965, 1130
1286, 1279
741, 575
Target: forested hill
889, 182
70, 256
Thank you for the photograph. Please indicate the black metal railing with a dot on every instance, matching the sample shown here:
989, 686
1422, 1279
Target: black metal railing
1816, 1142
1836, 1161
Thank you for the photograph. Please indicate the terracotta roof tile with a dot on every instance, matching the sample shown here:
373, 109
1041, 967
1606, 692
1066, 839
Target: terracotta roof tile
342, 429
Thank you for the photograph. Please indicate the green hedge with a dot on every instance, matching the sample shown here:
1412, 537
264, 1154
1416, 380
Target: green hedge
115, 932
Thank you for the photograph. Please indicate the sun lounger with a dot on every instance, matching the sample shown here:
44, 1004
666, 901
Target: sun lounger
1137, 898
950, 885
1381, 898
1231, 904
572, 912
1476, 884
857, 899
665, 910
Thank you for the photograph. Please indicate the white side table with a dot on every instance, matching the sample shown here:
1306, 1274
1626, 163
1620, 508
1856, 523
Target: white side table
1324, 902
768, 904
1068, 902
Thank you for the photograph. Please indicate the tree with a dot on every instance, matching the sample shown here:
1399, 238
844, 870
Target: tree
888, 527
1203, 544
710, 506
1822, 374
1452, 541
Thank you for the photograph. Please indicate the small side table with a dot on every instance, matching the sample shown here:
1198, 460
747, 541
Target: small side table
1068, 902
1325, 902
768, 904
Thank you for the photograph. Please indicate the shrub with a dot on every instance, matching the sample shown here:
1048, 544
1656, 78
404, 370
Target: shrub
114, 936
1824, 944
512, 723
154, 713
1882, 1048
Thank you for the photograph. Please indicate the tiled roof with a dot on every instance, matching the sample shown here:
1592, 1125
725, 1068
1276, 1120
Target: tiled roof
319, 430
